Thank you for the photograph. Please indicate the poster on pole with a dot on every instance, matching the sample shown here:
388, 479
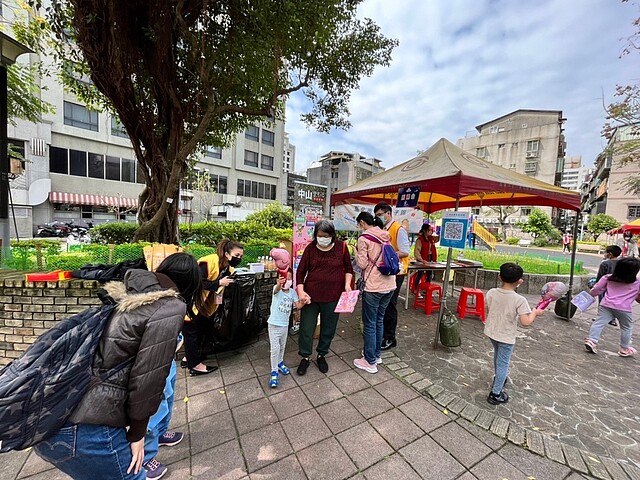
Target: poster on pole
408, 197
303, 227
453, 233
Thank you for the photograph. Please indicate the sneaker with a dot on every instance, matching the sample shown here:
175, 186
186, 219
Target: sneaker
591, 346
322, 364
273, 381
169, 439
502, 397
295, 329
155, 469
627, 352
283, 369
302, 368
613, 323
362, 364
378, 360
387, 344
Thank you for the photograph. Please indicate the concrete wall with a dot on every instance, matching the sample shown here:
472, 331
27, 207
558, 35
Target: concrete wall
29, 309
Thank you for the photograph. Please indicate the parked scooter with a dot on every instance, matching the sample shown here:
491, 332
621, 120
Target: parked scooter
53, 229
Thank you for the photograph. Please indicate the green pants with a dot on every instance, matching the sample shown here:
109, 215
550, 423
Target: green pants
308, 321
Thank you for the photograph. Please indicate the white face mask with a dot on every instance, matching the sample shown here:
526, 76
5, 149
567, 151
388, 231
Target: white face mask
324, 241
288, 284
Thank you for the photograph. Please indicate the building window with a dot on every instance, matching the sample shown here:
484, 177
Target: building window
250, 158
222, 184
128, 170
214, 152
267, 162
531, 168
481, 152
139, 173
512, 166
252, 189
113, 168
80, 116
476, 211
78, 163
240, 188
96, 165
525, 211
533, 146
261, 190
118, 129
268, 138
252, 133
633, 211
493, 129
58, 160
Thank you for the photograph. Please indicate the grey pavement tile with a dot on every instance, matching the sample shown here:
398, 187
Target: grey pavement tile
179, 470
326, 461
54, 474
206, 404
285, 382
364, 445
339, 346
204, 383
264, 446
286, 469
393, 467
254, 415
178, 414
321, 391
33, 465
312, 375
468, 476
369, 402
339, 415
464, 447
223, 462
614, 468
396, 428
12, 463
244, 392
396, 392
305, 429
176, 453
494, 467
423, 414
533, 465
262, 366
289, 403
595, 465
349, 382
339, 364
489, 439
237, 372
211, 431
431, 461
233, 357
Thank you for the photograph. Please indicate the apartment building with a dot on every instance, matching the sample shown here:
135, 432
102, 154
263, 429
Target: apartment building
79, 165
530, 142
574, 173
288, 155
605, 190
337, 170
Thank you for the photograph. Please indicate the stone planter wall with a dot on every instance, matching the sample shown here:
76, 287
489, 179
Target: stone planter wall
28, 309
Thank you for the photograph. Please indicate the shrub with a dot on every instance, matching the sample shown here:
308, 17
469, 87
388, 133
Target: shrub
68, 261
541, 241
247, 233
117, 232
512, 241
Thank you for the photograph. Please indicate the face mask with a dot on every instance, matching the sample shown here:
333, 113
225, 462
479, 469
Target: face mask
288, 284
383, 219
324, 241
235, 261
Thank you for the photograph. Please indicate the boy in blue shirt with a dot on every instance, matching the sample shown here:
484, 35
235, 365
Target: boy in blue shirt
284, 298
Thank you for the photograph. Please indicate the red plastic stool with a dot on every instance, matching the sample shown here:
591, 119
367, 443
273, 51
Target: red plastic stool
477, 309
412, 283
428, 303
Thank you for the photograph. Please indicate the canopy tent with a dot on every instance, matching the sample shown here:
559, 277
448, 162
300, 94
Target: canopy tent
449, 177
445, 173
633, 227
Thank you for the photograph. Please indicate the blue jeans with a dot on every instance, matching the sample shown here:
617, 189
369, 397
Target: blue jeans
605, 315
501, 359
374, 305
96, 452
159, 421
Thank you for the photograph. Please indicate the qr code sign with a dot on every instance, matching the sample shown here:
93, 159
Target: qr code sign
453, 230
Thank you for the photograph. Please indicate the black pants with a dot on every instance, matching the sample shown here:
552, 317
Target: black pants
391, 314
191, 334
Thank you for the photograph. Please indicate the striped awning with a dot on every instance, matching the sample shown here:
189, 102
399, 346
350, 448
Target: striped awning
87, 199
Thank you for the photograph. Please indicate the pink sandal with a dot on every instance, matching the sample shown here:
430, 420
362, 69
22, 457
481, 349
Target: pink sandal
627, 352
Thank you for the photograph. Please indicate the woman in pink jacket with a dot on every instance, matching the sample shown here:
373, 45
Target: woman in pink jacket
378, 289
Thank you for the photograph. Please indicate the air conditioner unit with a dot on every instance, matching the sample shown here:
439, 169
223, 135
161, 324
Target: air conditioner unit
495, 220
513, 221
532, 154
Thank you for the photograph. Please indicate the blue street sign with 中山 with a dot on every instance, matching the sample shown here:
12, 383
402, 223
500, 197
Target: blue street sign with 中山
408, 197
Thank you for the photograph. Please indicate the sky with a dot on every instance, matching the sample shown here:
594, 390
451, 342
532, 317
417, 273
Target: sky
461, 63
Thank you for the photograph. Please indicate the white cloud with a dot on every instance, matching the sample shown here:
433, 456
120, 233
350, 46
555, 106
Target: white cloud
463, 63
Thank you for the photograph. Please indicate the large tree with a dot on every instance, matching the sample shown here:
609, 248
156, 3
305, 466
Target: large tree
538, 223
184, 74
601, 223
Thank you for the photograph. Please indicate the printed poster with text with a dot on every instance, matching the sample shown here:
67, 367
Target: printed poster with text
302, 236
453, 232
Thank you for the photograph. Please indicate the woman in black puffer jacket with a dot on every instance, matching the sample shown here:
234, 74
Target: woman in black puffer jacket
105, 436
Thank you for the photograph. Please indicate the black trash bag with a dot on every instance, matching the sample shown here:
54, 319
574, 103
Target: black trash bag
107, 273
237, 320
450, 330
560, 308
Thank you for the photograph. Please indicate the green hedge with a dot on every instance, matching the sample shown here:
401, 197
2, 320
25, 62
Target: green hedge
117, 232
512, 241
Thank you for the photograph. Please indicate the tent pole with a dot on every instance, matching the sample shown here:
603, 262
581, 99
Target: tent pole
573, 262
445, 287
